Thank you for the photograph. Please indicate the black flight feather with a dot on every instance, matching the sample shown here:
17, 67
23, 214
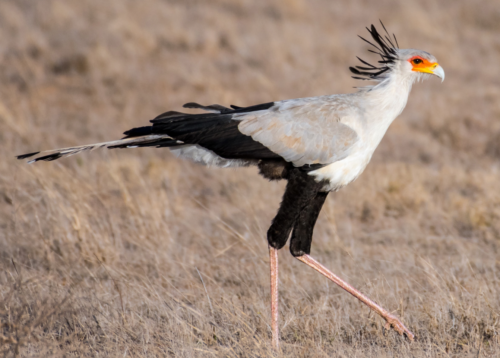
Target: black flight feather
211, 108
138, 132
217, 132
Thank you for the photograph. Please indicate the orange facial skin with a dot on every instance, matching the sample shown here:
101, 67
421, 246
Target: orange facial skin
420, 64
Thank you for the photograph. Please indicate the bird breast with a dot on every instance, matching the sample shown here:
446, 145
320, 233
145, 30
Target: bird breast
340, 173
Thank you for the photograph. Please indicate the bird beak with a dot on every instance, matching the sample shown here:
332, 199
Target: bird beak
432, 68
438, 71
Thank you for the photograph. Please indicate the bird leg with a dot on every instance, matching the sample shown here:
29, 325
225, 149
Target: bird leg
300, 243
300, 246
273, 260
300, 191
392, 321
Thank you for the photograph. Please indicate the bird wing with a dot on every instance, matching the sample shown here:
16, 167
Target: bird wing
306, 132
303, 131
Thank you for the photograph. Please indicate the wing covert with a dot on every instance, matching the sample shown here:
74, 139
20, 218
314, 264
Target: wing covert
305, 133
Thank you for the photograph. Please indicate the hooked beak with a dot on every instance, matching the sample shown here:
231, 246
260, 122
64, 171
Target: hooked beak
432, 68
438, 71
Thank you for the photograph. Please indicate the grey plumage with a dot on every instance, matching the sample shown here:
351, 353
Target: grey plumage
303, 131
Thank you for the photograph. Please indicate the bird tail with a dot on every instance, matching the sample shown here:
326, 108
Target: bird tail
194, 129
136, 141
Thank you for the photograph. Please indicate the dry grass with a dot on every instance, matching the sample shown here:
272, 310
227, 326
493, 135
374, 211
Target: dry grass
104, 254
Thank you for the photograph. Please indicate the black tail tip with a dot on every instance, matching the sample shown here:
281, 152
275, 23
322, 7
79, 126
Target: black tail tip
24, 156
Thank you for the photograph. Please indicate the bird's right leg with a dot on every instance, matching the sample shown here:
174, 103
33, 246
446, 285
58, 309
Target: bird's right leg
300, 190
392, 321
300, 246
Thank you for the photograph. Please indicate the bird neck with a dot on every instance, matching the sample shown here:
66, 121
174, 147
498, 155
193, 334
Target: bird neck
383, 103
389, 97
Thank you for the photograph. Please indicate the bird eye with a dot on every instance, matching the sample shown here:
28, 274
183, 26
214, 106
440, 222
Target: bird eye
417, 61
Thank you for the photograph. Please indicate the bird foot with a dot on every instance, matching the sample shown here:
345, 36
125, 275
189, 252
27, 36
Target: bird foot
394, 322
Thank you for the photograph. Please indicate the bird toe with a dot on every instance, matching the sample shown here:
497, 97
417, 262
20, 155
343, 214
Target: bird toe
395, 323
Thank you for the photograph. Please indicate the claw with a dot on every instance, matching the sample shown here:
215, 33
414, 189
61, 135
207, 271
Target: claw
394, 322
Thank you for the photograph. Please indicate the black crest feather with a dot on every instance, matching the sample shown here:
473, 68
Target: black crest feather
385, 48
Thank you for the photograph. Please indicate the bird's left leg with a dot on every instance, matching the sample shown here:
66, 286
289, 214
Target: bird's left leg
273, 263
300, 246
299, 192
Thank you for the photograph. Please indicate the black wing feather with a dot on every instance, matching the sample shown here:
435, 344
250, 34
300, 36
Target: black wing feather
217, 132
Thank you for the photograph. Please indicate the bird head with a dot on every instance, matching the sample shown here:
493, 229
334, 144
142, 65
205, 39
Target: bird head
418, 64
409, 63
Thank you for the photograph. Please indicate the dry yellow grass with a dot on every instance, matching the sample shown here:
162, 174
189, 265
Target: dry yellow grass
104, 254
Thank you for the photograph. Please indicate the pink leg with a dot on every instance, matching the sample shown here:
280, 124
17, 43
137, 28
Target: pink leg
392, 321
273, 259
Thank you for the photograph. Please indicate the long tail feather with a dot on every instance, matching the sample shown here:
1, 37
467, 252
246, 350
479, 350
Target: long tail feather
54, 154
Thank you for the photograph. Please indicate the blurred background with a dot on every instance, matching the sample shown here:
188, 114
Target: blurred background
138, 253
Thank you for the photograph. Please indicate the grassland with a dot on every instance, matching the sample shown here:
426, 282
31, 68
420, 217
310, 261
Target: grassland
136, 253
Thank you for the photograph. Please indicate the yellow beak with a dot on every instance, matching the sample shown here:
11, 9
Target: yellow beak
433, 69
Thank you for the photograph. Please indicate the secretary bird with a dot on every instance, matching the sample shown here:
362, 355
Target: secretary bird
318, 144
